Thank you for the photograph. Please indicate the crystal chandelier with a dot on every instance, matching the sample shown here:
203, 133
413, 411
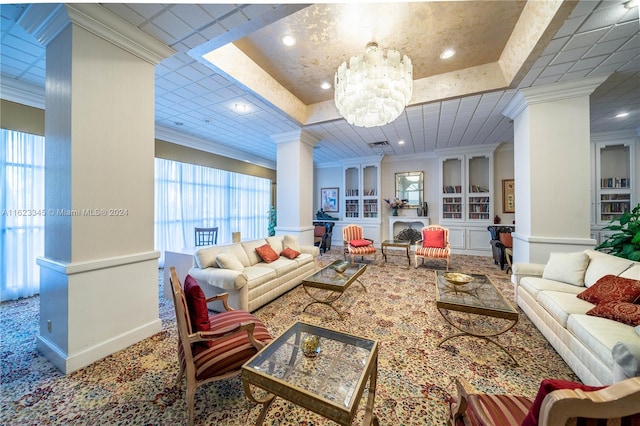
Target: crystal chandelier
374, 88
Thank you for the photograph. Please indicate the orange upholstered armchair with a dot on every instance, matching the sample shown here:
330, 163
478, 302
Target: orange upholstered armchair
211, 347
558, 403
355, 244
434, 244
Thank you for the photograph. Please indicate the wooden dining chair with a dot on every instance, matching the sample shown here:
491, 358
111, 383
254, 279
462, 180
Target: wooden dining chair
206, 236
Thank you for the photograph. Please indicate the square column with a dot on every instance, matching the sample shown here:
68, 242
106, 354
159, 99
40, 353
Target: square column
99, 273
295, 184
552, 169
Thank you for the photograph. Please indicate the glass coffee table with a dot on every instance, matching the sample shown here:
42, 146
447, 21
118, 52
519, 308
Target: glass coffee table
327, 285
329, 381
476, 308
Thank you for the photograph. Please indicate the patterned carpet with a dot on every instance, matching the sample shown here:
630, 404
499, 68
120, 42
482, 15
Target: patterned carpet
137, 386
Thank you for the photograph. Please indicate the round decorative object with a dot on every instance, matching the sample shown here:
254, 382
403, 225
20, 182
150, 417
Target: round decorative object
457, 278
340, 267
311, 346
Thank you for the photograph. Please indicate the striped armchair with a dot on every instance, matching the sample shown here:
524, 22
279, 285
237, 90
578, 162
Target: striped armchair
211, 348
569, 404
434, 244
355, 244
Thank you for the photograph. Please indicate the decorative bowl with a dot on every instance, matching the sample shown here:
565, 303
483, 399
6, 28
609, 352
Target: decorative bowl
457, 278
311, 346
340, 267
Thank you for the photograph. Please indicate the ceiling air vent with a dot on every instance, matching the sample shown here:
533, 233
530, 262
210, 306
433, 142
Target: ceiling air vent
382, 147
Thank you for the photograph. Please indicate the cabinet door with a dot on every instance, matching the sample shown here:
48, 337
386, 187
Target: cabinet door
456, 238
478, 239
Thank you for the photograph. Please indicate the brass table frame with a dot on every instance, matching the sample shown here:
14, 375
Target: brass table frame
332, 284
474, 298
331, 384
392, 243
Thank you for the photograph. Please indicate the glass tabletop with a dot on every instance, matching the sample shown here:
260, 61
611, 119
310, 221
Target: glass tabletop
337, 375
479, 296
339, 273
399, 243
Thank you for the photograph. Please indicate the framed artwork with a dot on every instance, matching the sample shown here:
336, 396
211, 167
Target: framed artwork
329, 199
508, 196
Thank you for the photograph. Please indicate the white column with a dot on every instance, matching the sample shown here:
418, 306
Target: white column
99, 273
295, 184
552, 168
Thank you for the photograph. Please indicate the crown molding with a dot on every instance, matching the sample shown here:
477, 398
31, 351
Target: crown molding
21, 92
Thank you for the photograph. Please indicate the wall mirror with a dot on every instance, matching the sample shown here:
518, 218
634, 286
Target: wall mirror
410, 186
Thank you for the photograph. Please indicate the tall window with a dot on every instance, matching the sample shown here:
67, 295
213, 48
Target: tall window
21, 213
189, 196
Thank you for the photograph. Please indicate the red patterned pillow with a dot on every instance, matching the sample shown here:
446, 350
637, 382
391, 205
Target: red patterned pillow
267, 253
612, 289
433, 238
290, 253
546, 387
624, 312
197, 305
360, 243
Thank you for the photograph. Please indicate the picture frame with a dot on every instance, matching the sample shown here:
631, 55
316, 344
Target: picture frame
508, 196
330, 199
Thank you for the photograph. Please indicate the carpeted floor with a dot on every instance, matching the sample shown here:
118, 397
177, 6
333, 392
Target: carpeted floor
137, 386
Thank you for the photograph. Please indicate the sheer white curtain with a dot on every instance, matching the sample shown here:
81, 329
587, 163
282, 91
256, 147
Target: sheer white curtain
21, 213
189, 196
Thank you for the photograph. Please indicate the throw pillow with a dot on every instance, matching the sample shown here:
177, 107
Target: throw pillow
612, 289
290, 253
546, 387
229, 261
291, 241
566, 267
433, 238
624, 312
360, 243
506, 239
197, 305
267, 254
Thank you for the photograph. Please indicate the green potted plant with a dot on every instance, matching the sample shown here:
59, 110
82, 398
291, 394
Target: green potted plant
626, 242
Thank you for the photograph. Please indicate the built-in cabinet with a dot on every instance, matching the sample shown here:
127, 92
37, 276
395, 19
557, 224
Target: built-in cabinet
613, 183
362, 195
466, 199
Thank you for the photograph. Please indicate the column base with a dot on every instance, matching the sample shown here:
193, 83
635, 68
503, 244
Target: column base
534, 249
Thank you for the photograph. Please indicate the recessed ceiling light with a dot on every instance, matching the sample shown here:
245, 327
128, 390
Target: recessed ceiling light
400, 142
622, 114
288, 40
241, 108
447, 54
325, 85
632, 3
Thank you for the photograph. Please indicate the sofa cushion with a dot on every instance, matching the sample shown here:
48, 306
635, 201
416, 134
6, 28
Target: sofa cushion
276, 242
600, 335
566, 267
206, 257
282, 266
303, 259
601, 264
267, 254
290, 253
534, 285
633, 272
560, 305
546, 387
624, 312
291, 241
229, 261
258, 275
612, 289
238, 251
250, 249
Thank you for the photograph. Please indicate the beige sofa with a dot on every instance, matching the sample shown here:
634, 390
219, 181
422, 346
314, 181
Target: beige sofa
237, 269
600, 351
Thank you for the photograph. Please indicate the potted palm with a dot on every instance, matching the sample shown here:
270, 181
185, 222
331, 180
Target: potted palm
626, 242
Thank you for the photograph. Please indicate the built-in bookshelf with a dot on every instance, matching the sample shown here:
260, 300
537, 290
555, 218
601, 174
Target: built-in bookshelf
362, 197
614, 180
452, 173
466, 188
479, 181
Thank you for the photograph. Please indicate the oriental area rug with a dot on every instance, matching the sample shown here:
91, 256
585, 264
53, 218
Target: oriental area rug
137, 386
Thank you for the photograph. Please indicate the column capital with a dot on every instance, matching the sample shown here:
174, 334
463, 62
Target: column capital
551, 92
301, 135
46, 21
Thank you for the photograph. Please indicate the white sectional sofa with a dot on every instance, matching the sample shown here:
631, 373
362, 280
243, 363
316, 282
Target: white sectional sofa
600, 351
237, 269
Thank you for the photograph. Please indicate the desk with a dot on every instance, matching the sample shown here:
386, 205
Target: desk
330, 384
